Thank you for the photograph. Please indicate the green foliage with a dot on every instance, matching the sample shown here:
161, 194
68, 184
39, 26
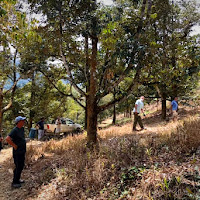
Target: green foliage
172, 62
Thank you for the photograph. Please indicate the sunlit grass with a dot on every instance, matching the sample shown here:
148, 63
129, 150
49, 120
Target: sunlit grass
129, 165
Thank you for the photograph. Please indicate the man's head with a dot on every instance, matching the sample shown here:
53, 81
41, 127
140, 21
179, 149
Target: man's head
42, 119
20, 121
176, 98
142, 98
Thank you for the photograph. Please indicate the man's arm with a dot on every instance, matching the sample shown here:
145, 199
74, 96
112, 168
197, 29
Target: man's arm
135, 108
10, 142
38, 124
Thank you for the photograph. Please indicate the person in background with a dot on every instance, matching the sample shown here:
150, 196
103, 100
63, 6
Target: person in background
138, 109
58, 123
174, 109
40, 124
16, 139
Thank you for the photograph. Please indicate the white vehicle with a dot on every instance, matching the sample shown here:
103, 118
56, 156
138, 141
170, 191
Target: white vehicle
66, 126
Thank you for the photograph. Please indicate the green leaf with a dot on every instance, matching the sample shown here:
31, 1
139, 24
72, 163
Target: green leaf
154, 16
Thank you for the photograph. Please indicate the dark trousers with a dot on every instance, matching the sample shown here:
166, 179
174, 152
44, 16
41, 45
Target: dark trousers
19, 160
137, 119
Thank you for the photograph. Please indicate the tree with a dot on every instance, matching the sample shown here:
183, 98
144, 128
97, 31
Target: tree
90, 70
172, 60
12, 24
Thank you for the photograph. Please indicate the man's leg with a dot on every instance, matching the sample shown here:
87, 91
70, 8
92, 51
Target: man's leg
175, 115
42, 133
19, 166
135, 121
140, 122
39, 134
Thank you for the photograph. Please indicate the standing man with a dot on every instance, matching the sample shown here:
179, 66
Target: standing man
138, 109
174, 109
17, 140
58, 123
40, 124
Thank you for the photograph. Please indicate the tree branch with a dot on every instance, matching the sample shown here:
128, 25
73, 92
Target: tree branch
75, 99
12, 90
54, 85
128, 91
70, 77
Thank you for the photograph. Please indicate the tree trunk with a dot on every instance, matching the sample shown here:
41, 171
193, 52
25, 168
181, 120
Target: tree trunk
162, 94
86, 113
86, 76
91, 123
164, 108
114, 109
32, 109
92, 110
130, 113
114, 114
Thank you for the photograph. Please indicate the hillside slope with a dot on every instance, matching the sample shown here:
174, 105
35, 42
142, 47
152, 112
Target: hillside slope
161, 162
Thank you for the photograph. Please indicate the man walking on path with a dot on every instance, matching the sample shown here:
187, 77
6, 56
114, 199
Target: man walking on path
40, 124
138, 109
174, 109
17, 140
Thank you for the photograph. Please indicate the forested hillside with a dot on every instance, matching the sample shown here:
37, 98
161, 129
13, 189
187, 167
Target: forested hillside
86, 64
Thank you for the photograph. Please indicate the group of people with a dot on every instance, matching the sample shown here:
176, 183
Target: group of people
139, 109
16, 138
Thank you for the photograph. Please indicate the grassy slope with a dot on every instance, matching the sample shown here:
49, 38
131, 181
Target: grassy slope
159, 163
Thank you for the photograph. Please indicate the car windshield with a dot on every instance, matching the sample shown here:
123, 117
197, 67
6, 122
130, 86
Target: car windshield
69, 122
63, 121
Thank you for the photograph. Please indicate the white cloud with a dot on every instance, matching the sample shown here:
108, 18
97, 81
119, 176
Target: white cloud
106, 2
196, 30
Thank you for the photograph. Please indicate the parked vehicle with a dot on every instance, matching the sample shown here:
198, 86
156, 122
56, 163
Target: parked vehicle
66, 126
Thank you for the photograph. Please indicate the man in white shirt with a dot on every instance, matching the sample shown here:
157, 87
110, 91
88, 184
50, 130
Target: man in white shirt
138, 109
58, 123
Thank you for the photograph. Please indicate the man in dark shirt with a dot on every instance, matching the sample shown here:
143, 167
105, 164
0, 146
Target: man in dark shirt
17, 140
40, 124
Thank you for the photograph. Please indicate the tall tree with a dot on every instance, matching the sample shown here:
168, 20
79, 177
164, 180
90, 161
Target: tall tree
171, 60
12, 24
93, 66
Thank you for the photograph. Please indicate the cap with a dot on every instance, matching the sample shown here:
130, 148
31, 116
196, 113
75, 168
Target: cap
19, 118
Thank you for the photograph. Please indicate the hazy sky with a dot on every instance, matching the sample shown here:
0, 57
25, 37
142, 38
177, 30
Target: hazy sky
107, 2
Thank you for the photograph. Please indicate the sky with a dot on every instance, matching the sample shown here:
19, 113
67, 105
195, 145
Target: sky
107, 2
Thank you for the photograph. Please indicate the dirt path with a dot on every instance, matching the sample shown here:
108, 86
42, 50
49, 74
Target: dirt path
5, 174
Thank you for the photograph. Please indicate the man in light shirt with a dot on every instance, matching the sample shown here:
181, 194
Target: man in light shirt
138, 109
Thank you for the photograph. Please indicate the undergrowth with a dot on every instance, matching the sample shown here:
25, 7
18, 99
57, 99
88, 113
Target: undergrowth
163, 165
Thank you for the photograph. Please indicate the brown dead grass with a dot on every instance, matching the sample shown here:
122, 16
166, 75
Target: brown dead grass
152, 164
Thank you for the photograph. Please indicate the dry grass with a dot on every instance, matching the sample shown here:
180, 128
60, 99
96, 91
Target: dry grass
159, 163
147, 165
